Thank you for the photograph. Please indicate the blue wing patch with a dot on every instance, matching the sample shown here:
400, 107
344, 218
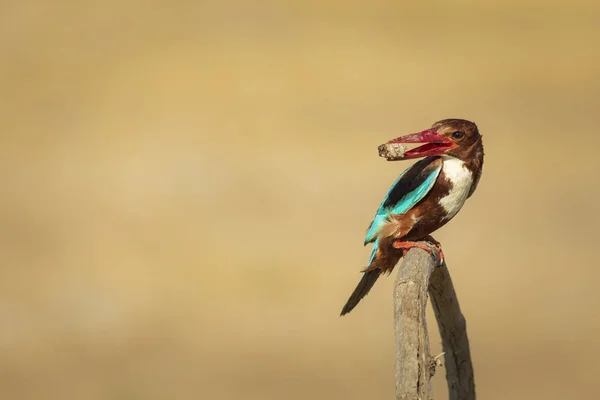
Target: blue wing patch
373, 251
408, 195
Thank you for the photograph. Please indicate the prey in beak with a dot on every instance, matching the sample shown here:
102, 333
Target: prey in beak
435, 144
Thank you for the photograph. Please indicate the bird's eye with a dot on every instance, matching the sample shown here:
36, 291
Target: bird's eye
458, 134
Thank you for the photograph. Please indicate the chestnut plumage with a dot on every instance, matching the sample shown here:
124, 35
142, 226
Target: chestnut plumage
424, 197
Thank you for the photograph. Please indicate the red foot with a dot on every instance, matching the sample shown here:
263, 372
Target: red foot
405, 246
437, 245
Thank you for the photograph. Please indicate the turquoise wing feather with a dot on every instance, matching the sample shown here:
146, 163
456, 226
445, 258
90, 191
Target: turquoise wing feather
410, 188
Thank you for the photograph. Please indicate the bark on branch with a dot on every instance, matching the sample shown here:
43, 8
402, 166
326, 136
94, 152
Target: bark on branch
418, 275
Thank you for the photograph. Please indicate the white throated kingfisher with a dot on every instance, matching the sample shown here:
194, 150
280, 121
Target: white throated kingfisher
423, 198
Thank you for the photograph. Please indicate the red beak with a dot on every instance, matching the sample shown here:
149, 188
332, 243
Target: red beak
435, 144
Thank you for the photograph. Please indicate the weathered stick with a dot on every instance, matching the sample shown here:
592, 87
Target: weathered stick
413, 361
417, 275
453, 330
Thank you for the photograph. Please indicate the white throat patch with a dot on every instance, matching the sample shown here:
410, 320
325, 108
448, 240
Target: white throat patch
462, 179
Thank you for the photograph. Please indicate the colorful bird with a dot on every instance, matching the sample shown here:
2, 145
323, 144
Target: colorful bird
424, 197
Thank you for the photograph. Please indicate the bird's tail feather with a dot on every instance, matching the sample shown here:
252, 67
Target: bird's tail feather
366, 283
379, 262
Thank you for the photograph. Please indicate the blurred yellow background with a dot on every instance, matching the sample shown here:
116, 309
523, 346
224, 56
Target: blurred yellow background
186, 187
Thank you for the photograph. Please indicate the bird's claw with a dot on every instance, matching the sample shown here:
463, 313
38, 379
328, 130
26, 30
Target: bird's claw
437, 245
406, 245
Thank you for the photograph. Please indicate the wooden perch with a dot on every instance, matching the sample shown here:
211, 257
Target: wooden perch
418, 275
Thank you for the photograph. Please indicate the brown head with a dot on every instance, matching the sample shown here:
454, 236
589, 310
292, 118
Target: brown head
452, 137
